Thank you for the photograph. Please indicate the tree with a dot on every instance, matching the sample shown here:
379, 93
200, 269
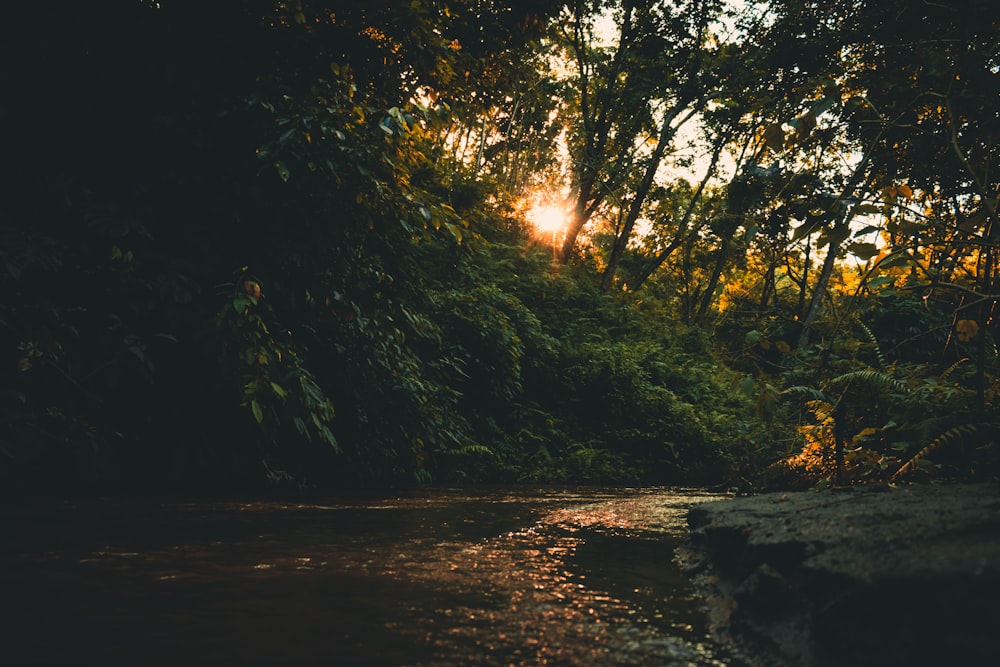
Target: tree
236, 204
627, 98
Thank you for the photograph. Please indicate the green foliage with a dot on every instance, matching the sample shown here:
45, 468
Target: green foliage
277, 387
368, 162
951, 437
639, 396
883, 424
483, 324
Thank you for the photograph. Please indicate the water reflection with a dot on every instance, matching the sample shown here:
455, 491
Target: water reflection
445, 578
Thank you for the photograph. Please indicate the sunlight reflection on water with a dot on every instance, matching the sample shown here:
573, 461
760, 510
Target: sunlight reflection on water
564, 577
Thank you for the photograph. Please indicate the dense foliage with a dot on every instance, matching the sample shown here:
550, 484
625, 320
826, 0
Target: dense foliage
248, 243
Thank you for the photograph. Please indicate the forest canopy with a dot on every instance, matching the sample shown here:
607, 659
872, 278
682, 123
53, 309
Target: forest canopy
330, 245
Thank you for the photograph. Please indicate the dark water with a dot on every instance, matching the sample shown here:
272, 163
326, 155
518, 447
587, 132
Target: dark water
443, 578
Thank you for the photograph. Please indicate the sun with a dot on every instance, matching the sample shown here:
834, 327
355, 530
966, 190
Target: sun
548, 219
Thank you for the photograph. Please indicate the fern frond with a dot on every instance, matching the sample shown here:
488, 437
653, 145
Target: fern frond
807, 393
473, 449
822, 409
948, 371
874, 341
949, 436
870, 377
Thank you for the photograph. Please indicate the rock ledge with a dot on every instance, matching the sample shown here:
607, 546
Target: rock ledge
865, 576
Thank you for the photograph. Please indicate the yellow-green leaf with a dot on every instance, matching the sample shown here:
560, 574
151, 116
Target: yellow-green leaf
807, 123
966, 330
774, 137
863, 251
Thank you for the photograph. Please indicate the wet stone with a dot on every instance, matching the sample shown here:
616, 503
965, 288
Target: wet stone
901, 575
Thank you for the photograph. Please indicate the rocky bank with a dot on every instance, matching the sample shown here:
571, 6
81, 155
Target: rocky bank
861, 576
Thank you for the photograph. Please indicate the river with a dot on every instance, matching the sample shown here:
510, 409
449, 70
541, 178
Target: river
436, 578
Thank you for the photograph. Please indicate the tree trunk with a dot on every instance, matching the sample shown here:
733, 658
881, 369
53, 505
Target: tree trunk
768, 288
667, 132
841, 232
681, 236
581, 213
819, 292
720, 264
596, 127
803, 282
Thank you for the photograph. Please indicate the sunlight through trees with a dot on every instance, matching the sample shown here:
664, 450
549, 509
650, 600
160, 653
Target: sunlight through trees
363, 244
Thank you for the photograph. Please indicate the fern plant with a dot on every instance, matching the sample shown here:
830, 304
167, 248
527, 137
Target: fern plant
843, 409
949, 437
858, 413
895, 419
882, 363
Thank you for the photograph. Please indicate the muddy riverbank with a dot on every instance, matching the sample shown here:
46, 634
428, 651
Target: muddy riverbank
901, 575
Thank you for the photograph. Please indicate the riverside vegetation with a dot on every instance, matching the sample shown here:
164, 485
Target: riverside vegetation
259, 244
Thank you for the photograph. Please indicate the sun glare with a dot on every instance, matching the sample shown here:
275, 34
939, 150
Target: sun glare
548, 219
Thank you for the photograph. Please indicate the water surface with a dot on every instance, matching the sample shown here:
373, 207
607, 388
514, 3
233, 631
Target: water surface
439, 578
